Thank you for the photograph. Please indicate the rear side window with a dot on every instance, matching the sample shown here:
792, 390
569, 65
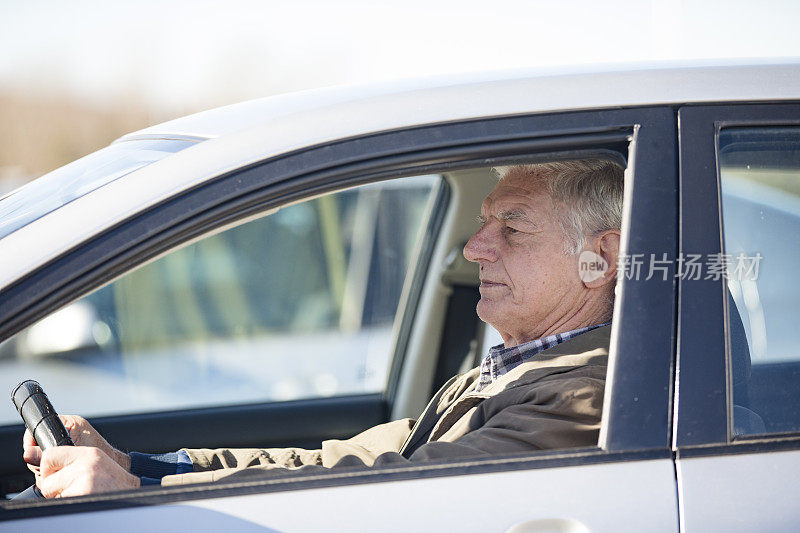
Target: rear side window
760, 187
297, 304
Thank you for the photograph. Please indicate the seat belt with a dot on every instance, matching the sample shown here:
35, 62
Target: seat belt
424, 425
459, 333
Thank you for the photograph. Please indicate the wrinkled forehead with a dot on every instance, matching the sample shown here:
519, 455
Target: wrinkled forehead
518, 191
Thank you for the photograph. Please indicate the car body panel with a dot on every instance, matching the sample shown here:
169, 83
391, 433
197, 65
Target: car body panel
640, 494
740, 492
395, 104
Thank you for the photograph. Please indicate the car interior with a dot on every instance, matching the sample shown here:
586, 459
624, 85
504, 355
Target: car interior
435, 327
445, 313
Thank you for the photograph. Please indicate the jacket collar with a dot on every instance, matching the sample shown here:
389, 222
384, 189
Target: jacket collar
587, 349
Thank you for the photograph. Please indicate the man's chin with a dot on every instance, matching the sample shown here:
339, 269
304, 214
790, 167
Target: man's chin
487, 311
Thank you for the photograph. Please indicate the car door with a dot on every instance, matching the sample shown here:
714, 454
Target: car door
737, 440
627, 479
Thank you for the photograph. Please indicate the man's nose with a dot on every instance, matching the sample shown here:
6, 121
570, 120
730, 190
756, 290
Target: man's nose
480, 246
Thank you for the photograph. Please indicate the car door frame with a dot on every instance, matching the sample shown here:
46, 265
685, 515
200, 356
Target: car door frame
703, 439
637, 409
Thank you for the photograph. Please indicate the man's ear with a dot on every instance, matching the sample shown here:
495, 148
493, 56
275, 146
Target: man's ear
605, 245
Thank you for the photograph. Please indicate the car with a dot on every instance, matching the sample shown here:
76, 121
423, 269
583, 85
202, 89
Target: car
288, 270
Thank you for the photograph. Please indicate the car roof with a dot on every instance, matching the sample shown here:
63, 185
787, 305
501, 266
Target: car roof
511, 91
242, 134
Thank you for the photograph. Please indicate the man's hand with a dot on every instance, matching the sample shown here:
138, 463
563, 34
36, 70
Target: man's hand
79, 470
82, 434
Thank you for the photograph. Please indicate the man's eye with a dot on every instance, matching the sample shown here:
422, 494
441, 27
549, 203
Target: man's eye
511, 231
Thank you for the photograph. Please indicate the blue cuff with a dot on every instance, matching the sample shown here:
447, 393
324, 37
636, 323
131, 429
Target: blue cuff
184, 463
156, 466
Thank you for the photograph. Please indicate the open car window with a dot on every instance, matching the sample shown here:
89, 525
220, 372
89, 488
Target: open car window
297, 304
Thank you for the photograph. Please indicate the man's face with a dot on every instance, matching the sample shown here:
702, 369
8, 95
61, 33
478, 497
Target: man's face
529, 287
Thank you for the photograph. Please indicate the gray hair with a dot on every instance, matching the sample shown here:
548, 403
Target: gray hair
590, 189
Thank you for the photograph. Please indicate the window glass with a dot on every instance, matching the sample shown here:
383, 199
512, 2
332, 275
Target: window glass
63, 185
760, 185
297, 304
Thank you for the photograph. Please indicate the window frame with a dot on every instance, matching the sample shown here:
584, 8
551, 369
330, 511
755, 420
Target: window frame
637, 409
704, 420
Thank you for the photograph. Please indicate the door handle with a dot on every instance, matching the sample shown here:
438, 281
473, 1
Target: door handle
549, 525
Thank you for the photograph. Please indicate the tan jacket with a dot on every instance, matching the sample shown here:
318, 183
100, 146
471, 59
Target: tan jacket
553, 401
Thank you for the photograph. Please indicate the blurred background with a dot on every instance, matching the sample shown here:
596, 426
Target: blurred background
76, 75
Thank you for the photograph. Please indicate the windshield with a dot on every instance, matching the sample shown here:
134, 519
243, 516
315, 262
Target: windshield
63, 185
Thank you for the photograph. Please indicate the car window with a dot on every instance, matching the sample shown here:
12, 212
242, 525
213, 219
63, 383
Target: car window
297, 304
760, 191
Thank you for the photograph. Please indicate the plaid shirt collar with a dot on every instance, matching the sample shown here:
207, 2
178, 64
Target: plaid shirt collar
501, 360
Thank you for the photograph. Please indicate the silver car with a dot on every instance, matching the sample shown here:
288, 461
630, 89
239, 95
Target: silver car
288, 270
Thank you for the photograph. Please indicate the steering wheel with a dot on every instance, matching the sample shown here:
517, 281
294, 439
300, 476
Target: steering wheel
41, 420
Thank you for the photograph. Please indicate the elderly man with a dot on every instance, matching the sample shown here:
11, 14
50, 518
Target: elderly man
542, 389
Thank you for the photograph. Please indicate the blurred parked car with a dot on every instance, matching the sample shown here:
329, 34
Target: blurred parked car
288, 270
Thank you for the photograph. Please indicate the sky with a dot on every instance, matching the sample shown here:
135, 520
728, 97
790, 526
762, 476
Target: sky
183, 55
